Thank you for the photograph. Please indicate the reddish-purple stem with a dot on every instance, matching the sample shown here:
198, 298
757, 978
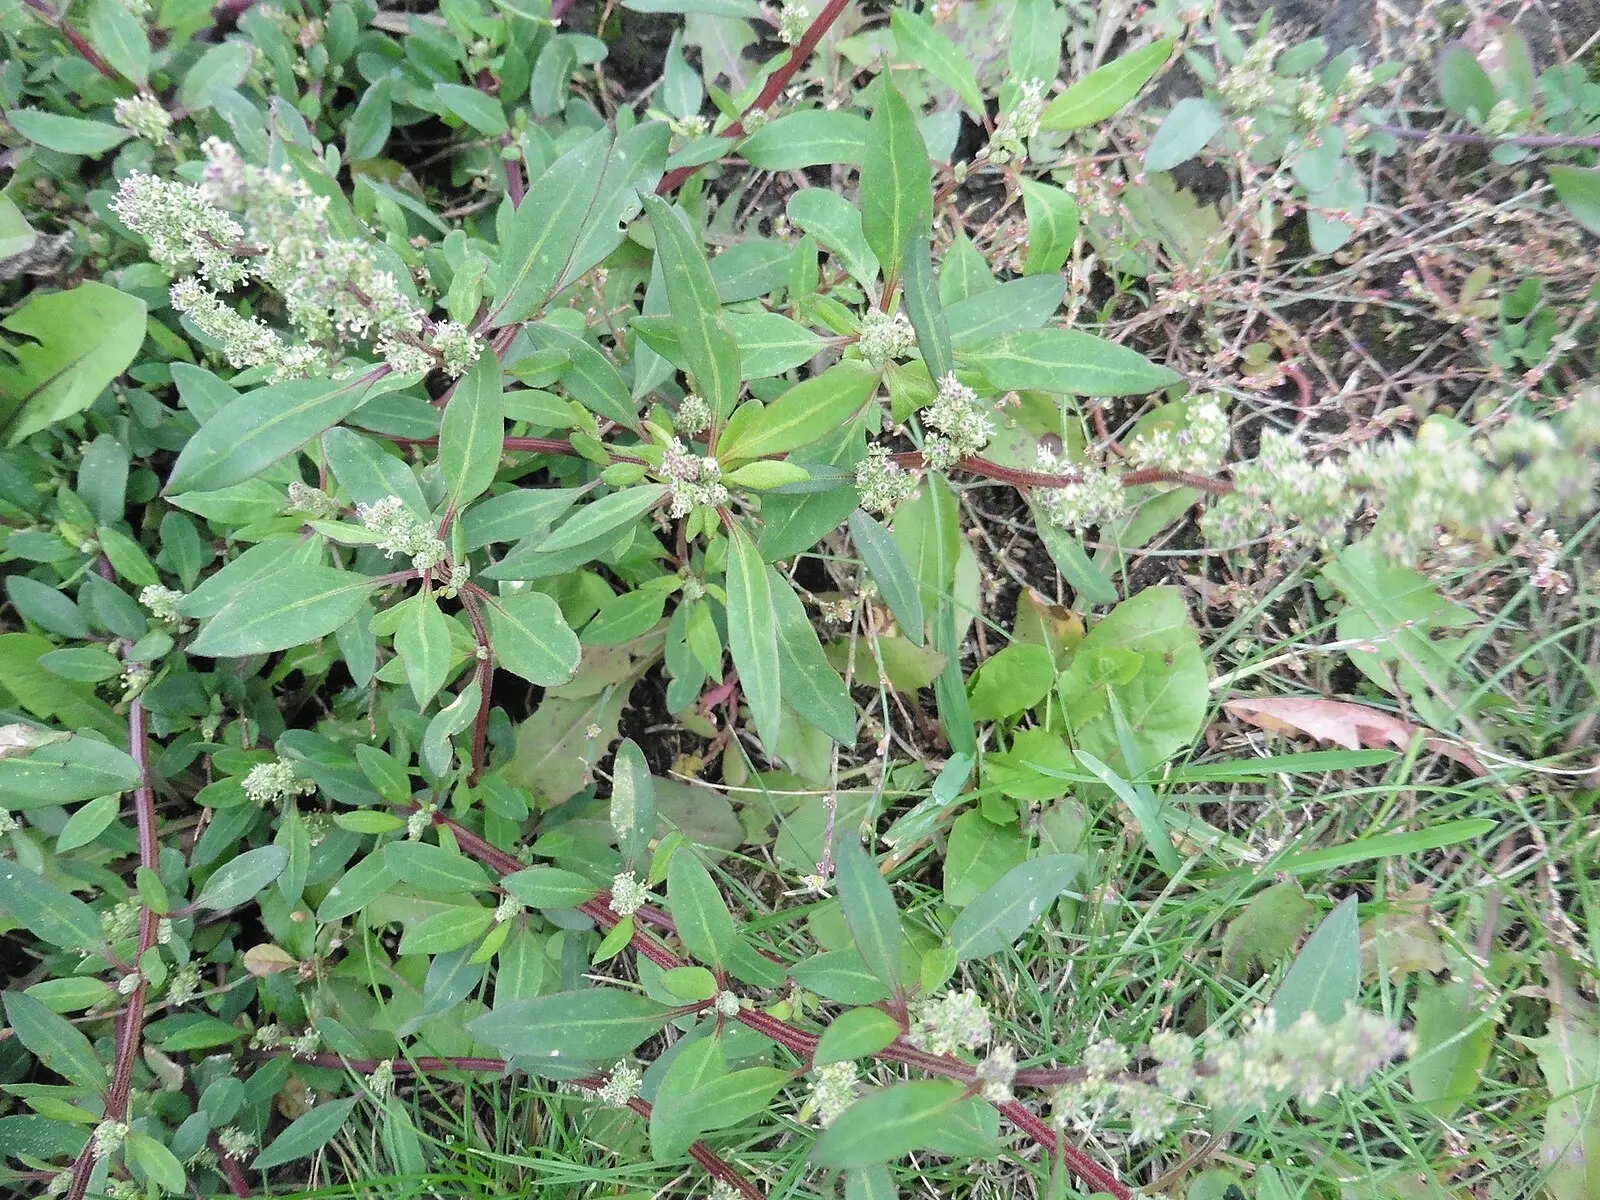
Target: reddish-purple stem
87, 52
1025, 1119
470, 597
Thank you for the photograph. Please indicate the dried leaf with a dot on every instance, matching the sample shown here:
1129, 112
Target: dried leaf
1353, 726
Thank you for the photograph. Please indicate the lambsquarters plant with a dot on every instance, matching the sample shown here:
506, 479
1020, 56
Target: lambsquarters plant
431, 466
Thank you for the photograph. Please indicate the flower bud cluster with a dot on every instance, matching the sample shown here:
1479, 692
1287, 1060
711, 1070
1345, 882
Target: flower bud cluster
627, 894
692, 481
275, 782
183, 985
236, 1142
1252, 84
833, 1089
1020, 122
962, 423
694, 415
1096, 499
884, 337
882, 482
314, 502
793, 19
401, 532
1197, 449
622, 1085
953, 1021
145, 117
163, 603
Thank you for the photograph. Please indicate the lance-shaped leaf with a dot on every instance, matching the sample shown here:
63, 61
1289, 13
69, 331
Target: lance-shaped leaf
287, 609
887, 566
545, 228
1067, 361
531, 638
46, 911
55, 1041
935, 53
885, 1125
1003, 913
591, 1024
66, 772
307, 1134
470, 434
896, 181
869, 909
802, 414
708, 348
1104, 91
810, 684
633, 802
925, 310
753, 634
704, 922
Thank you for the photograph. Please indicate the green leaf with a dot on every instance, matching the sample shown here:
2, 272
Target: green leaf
66, 772
1145, 807
1326, 974
470, 434
839, 975
152, 1160
1265, 933
855, 1033
481, 111
733, 1098
1187, 130
66, 135
243, 878
811, 687
604, 515
120, 38
55, 1041
885, 1125
357, 888
1579, 189
261, 427
803, 414
837, 224
46, 911
1026, 303
1106, 90
545, 229
753, 635
1052, 226
689, 984
283, 610
591, 378
446, 930
929, 48
812, 137
1455, 1037
633, 802
869, 909
592, 1025
433, 868
371, 124
704, 922
1067, 361
423, 643
1011, 681
307, 1134
769, 343
925, 310
438, 751
368, 473
887, 566
58, 371
220, 69
896, 180
1569, 1060
1464, 86
49, 608
997, 918
708, 348
88, 823
925, 530
674, 1122
870, 1183
531, 638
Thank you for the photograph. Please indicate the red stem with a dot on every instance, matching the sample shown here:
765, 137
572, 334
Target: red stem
1406, 134
776, 82
485, 676
1025, 1119
89, 54
131, 1026
975, 465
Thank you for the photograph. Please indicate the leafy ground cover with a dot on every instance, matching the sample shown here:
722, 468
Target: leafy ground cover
678, 598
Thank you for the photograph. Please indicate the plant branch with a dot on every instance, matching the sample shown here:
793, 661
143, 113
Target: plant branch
470, 596
1533, 140
131, 1026
776, 82
976, 465
79, 43
1025, 1119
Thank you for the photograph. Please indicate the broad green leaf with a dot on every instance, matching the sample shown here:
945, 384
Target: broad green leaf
803, 414
592, 1024
220, 69
633, 802
1579, 189
265, 560
839, 975
674, 1121
471, 433
512, 516
438, 750
1326, 974
753, 635
856, 1033
55, 1041
885, 1125
591, 378
896, 181
837, 224
769, 343
1002, 914
243, 878
368, 473
261, 427
704, 922
1034, 51
307, 1134
708, 348
368, 130
1107, 89
1464, 86
66, 135
66, 772
926, 311
1052, 226
1455, 1036
689, 984
811, 137
811, 687
120, 38
151, 1160
925, 530
870, 1183
446, 930
604, 515
978, 855
477, 109
357, 888
887, 566
1011, 681
531, 638
733, 1098
283, 610
1266, 932
929, 48
58, 372
423, 643
433, 868
88, 823
1188, 129
1026, 303
869, 909
1068, 361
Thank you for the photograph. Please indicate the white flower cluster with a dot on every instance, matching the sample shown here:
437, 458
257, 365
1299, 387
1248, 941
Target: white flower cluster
881, 482
884, 337
1097, 497
183, 985
145, 117
1197, 449
962, 422
622, 1085
694, 415
163, 603
121, 920
274, 1037
334, 291
793, 19
833, 1089
506, 909
954, 1021
1251, 84
401, 532
314, 502
236, 1142
381, 1082
727, 1004
995, 1074
1020, 122
692, 481
108, 1138
627, 894
274, 782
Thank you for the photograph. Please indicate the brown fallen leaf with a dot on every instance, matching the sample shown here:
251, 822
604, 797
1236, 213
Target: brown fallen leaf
1353, 726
